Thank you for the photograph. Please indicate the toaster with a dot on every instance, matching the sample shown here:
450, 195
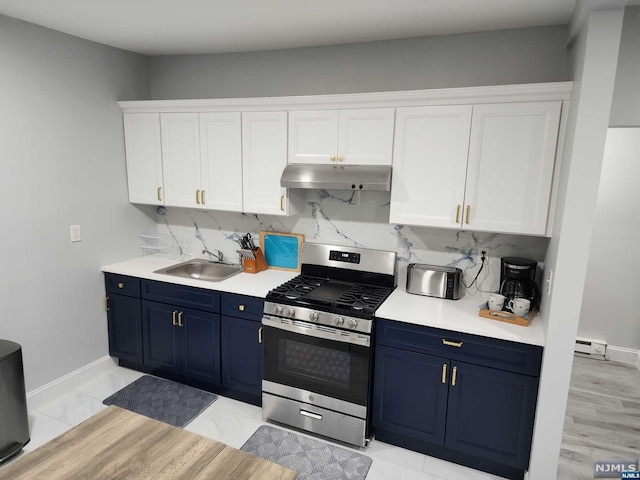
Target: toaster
434, 281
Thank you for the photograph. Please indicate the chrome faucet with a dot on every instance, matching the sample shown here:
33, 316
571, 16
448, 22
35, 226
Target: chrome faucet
217, 255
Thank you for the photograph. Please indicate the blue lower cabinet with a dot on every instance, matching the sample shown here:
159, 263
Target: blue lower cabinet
124, 319
181, 341
410, 397
491, 414
241, 355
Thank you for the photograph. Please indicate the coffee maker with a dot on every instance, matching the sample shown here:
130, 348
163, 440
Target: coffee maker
518, 280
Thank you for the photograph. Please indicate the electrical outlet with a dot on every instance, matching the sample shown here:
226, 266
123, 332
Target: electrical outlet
75, 233
478, 254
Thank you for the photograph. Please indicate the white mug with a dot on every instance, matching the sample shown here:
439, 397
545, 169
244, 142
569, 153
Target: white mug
519, 306
496, 301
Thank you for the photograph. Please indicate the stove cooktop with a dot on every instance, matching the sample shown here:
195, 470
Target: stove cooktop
354, 299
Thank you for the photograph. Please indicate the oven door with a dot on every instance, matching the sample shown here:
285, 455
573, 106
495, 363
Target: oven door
327, 361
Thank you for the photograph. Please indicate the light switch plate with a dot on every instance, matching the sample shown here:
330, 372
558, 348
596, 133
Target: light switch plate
75, 233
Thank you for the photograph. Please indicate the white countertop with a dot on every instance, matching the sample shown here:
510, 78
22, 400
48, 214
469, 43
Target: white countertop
455, 315
252, 284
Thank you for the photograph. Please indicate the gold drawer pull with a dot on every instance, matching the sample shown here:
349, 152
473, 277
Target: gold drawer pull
453, 376
451, 344
468, 209
282, 202
173, 318
260, 335
458, 214
106, 304
202, 197
444, 373
332, 158
198, 197
340, 158
180, 324
121, 285
241, 308
159, 194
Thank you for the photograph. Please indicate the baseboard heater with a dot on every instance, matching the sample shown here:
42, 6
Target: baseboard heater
591, 347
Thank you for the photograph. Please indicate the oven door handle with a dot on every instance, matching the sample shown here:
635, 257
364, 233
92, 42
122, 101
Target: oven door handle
312, 331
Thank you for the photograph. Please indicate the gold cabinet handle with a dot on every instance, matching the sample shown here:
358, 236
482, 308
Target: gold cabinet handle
457, 213
202, 197
454, 374
444, 373
173, 318
159, 194
260, 335
332, 158
106, 304
198, 197
451, 344
468, 209
282, 202
340, 158
241, 308
121, 285
180, 324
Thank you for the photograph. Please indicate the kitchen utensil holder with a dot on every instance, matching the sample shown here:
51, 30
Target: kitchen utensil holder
253, 260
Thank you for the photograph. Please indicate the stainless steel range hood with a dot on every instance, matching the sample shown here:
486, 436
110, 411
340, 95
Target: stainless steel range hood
337, 177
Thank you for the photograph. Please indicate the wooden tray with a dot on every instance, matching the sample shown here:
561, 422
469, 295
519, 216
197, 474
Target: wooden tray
508, 317
281, 249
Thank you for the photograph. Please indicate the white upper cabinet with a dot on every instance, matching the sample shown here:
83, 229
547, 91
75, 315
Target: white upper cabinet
511, 159
181, 158
144, 158
356, 136
264, 156
429, 165
488, 167
221, 161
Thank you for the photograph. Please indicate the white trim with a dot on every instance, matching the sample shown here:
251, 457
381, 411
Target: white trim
624, 355
531, 92
52, 390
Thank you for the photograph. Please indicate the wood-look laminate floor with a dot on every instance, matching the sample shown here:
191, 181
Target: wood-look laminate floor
603, 416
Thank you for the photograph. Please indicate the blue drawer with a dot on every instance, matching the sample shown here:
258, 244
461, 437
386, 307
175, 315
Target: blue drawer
242, 306
122, 285
180, 295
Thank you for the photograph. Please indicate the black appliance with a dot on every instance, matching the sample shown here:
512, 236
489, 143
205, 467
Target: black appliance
518, 280
317, 341
14, 423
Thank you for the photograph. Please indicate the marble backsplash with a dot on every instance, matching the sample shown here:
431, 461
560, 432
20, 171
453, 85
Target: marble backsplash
356, 219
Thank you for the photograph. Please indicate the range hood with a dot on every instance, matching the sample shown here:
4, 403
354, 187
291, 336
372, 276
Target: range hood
337, 177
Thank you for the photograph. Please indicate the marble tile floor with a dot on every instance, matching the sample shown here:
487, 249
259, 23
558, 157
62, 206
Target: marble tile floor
232, 423
602, 421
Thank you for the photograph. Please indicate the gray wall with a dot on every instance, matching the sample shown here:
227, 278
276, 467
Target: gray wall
495, 58
625, 111
62, 163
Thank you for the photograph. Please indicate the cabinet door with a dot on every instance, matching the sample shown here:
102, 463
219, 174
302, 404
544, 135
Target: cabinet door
125, 328
264, 156
429, 165
180, 158
511, 157
491, 414
144, 157
200, 340
366, 136
410, 394
221, 161
313, 136
160, 335
241, 355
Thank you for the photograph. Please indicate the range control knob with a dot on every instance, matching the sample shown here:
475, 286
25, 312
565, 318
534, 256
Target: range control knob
353, 323
339, 321
277, 310
314, 316
291, 312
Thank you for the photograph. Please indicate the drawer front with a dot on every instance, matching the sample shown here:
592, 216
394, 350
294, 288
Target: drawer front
242, 306
180, 295
122, 284
490, 352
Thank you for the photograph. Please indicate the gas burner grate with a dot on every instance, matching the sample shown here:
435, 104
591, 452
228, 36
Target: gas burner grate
365, 298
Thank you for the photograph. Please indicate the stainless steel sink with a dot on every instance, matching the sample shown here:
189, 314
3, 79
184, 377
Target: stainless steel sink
201, 269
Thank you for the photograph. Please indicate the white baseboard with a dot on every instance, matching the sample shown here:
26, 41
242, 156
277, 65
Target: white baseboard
52, 390
624, 355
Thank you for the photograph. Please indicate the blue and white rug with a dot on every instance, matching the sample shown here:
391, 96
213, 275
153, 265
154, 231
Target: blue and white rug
312, 459
164, 400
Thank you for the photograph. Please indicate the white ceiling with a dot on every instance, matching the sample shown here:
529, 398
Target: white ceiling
166, 27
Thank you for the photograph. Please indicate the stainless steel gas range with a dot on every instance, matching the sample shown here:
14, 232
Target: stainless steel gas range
317, 341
